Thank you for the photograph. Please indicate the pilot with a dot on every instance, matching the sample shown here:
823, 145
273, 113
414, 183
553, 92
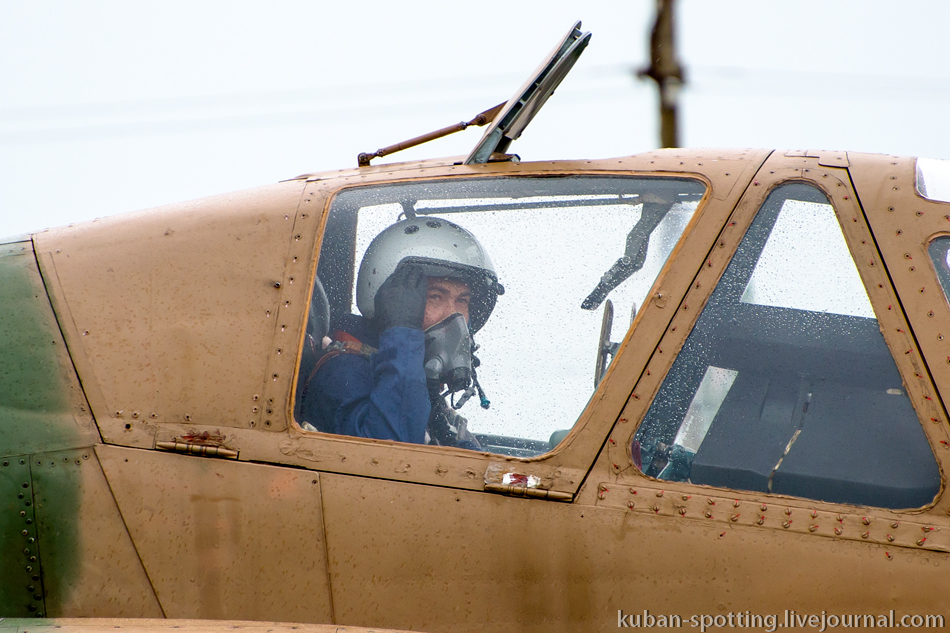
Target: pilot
425, 285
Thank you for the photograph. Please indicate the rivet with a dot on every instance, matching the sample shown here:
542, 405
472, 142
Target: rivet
865, 534
630, 504
24, 532
710, 502
787, 524
930, 314
921, 541
707, 513
660, 493
890, 538
840, 519
895, 524
734, 518
656, 508
865, 521
633, 491
266, 422
814, 514
764, 507
602, 487
788, 511
135, 414
735, 504
601, 495
838, 531
812, 528
683, 512
686, 497
760, 521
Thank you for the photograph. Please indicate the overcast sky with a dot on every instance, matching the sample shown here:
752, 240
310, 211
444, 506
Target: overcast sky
110, 106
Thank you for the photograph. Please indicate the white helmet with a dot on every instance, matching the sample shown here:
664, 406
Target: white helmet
443, 249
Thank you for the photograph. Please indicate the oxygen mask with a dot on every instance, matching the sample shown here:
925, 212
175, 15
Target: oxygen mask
450, 360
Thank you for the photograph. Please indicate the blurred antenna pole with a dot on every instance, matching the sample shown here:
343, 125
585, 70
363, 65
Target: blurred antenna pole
666, 71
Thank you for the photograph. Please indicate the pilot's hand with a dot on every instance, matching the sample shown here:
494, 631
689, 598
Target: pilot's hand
401, 300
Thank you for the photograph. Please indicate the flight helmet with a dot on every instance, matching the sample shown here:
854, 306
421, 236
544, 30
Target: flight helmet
442, 249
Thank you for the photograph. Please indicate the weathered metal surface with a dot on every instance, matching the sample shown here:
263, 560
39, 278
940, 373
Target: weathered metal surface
89, 562
41, 404
124, 625
222, 539
169, 312
904, 225
780, 514
436, 559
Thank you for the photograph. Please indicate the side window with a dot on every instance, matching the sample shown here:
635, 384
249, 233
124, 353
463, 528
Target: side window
939, 250
552, 244
786, 385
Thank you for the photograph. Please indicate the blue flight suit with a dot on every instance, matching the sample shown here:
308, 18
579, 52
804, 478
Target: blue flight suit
382, 397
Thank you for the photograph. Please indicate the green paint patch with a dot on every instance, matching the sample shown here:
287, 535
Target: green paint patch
41, 410
38, 392
21, 587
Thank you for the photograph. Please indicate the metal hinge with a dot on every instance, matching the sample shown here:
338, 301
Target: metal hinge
197, 449
515, 490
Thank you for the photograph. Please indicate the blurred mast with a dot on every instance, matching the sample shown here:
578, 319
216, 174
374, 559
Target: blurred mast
666, 71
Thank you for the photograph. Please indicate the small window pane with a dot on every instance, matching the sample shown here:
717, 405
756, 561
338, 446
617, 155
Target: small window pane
939, 250
790, 394
933, 179
815, 274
